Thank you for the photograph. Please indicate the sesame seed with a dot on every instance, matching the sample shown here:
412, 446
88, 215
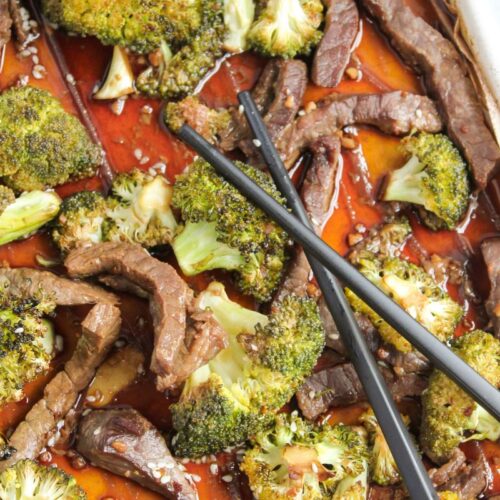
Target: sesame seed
144, 160
151, 465
293, 427
333, 336
138, 153
169, 465
91, 399
419, 113
19, 330
97, 432
196, 478
51, 442
156, 474
70, 79
301, 112
227, 478
314, 467
35, 59
214, 469
241, 109
312, 395
164, 479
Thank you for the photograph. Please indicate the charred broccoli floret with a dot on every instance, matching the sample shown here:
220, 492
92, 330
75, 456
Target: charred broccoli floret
27, 479
139, 25
223, 230
206, 121
294, 459
435, 178
137, 210
383, 468
287, 28
450, 416
41, 145
26, 343
414, 290
240, 389
20, 217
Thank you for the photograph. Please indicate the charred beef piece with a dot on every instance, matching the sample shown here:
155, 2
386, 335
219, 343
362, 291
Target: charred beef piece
340, 386
173, 359
448, 470
403, 362
100, 329
334, 50
395, 113
491, 254
27, 283
5, 23
446, 78
125, 443
386, 493
278, 95
22, 29
316, 194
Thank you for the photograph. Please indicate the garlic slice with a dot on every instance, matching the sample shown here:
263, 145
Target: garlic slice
119, 80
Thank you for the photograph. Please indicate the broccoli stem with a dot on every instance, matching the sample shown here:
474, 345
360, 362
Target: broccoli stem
404, 184
197, 249
28, 213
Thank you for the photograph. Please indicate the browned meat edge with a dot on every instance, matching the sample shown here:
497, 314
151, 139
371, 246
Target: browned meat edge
334, 50
125, 443
395, 113
173, 359
491, 254
5, 23
99, 331
22, 28
446, 78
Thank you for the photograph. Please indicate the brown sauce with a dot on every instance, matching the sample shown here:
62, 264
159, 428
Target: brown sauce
138, 134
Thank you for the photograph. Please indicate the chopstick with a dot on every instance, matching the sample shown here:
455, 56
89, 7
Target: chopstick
440, 355
410, 465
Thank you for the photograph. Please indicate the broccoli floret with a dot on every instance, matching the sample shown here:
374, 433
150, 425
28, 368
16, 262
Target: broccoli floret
223, 230
41, 145
27, 479
26, 343
415, 291
26, 214
80, 221
240, 389
450, 416
287, 28
137, 210
238, 18
181, 71
294, 459
136, 24
435, 178
383, 468
206, 121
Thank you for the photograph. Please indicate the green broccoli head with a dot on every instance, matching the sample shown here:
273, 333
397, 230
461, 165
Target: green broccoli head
240, 389
27, 479
415, 291
26, 343
41, 145
435, 178
293, 459
26, 214
287, 28
223, 230
383, 468
138, 210
450, 416
80, 221
138, 25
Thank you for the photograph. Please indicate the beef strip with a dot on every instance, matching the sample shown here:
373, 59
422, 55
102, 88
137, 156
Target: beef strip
340, 386
125, 443
5, 23
403, 362
334, 50
278, 95
471, 481
386, 493
491, 254
316, 194
395, 113
446, 78
121, 284
99, 330
20, 22
24, 282
448, 470
170, 298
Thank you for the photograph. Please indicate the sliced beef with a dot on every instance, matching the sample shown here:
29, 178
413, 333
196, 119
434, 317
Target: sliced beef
334, 50
395, 113
316, 194
471, 481
100, 329
125, 443
122, 284
5, 23
26, 283
20, 21
403, 362
491, 254
169, 299
448, 470
340, 386
386, 493
278, 95
446, 78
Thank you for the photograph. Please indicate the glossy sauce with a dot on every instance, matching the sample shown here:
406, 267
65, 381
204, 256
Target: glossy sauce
137, 134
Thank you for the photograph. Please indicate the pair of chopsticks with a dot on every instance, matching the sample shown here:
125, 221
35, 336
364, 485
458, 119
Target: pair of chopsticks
324, 260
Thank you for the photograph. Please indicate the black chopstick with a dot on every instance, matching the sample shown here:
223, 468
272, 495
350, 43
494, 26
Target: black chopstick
440, 355
412, 470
